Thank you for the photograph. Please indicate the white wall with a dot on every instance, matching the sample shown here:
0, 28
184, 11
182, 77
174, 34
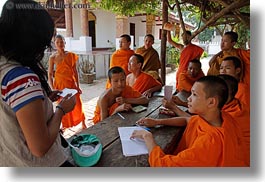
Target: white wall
76, 23
140, 28
105, 28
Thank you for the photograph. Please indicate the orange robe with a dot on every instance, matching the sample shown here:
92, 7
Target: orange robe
244, 56
120, 58
144, 82
190, 52
64, 77
243, 93
240, 113
214, 68
203, 145
185, 81
128, 92
151, 61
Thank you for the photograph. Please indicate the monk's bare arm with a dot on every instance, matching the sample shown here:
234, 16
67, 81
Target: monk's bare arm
214, 58
150, 91
175, 121
178, 46
103, 105
140, 100
50, 70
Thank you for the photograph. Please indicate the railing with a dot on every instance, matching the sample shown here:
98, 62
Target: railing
95, 62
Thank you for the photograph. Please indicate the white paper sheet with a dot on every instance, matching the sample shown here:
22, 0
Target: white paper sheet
131, 147
68, 91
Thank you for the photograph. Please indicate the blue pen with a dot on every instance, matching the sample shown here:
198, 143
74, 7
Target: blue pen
144, 127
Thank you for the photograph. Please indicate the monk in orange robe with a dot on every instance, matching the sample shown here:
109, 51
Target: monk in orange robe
239, 111
185, 83
233, 66
211, 137
66, 76
227, 49
139, 80
189, 52
119, 97
121, 56
151, 63
188, 78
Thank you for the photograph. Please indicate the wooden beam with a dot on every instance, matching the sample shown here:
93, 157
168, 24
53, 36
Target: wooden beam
215, 17
236, 12
164, 42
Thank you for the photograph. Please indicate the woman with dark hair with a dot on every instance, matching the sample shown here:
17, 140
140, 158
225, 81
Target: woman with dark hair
29, 132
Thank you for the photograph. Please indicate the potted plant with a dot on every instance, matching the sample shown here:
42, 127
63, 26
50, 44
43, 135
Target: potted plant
87, 72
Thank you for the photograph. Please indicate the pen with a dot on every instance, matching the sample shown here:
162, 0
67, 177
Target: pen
122, 117
144, 127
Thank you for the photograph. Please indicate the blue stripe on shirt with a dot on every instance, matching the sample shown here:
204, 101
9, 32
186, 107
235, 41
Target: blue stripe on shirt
22, 91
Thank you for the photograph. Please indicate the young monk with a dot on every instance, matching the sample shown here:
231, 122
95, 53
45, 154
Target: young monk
211, 138
151, 63
118, 97
232, 66
228, 42
239, 111
189, 51
186, 81
139, 80
121, 56
65, 76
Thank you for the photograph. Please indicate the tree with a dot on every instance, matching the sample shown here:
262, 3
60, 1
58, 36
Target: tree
128, 7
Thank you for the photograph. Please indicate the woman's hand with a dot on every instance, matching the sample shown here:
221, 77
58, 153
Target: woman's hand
68, 103
55, 95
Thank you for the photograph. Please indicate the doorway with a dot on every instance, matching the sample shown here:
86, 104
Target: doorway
132, 32
92, 32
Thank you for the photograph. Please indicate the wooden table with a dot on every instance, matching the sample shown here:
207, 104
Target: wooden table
107, 131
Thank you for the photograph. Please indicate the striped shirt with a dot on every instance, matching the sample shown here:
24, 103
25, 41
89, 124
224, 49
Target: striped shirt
19, 87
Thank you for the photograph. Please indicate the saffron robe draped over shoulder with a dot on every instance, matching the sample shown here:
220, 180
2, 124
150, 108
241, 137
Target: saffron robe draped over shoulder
203, 145
144, 82
244, 56
240, 113
128, 92
243, 94
185, 81
65, 77
120, 58
190, 52
151, 61
214, 68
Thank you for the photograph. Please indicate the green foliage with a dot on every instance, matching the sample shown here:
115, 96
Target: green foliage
206, 35
128, 7
172, 55
204, 55
243, 35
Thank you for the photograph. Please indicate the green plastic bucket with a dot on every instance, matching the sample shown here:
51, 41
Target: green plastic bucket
86, 149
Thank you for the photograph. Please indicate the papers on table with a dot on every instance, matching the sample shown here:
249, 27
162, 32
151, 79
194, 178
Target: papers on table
131, 147
139, 108
68, 91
